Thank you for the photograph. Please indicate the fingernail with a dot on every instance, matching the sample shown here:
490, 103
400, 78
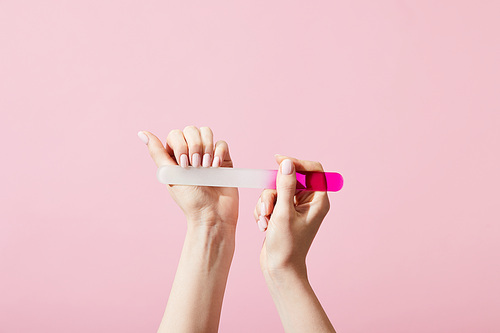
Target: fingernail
144, 138
184, 161
262, 223
286, 167
206, 160
216, 161
196, 160
262, 209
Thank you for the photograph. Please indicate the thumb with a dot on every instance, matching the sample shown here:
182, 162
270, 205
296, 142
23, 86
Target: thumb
285, 185
156, 150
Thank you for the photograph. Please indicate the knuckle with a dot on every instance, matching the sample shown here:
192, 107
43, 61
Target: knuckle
174, 132
287, 186
221, 143
206, 129
189, 128
318, 166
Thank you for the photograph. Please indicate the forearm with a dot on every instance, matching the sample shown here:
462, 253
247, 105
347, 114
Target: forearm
296, 302
196, 296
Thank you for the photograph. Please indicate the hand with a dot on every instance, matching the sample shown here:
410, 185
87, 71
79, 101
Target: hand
292, 218
202, 205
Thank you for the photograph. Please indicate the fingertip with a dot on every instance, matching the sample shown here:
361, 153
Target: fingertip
222, 151
287, 167
206, 160
286, 184
183, 161
143, 137
216, 162
262, 223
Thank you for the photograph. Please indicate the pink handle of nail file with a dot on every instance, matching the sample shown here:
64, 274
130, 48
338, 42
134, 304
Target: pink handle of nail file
314, 181
251, 178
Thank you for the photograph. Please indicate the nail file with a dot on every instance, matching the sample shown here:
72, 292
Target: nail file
250, 178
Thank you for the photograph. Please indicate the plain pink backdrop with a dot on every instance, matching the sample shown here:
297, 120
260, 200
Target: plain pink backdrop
401, 97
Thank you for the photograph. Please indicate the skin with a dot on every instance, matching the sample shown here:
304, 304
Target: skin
195, 300
291, 218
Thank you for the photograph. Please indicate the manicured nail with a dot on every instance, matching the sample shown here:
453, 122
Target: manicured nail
206, 160
196, 160
286, 167
216, 161
144, 138
262, 223
262, 209
184, 161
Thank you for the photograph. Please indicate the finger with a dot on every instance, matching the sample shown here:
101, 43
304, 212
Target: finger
195, 146
158, 153
256, 211
207, 139
177, 144
268, 198
265, 204
286, 186
221, 155
262, 221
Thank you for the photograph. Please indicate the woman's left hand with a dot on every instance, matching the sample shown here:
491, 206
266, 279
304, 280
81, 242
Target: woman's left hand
202, 205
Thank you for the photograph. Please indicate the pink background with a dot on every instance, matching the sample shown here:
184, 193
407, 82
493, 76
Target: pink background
401, 97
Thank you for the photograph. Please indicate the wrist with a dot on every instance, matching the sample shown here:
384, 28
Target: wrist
210, 227
210, 220
216, 237
285, 274
281, 283
210, 249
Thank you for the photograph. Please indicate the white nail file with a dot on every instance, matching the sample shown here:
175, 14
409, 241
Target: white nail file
250, 178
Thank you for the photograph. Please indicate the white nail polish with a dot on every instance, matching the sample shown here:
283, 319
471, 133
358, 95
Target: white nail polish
184, 161
144, 138
262, 209
286, 167
216, 161
206, 160
196, 160
262, 223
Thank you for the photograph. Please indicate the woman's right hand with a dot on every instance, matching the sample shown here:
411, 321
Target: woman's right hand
291, 217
